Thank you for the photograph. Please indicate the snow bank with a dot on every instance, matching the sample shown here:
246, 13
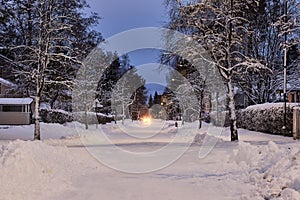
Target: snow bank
33, 168
274, 171
48, 131
270, 106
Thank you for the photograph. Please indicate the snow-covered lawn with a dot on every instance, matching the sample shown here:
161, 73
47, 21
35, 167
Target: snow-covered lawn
259, 166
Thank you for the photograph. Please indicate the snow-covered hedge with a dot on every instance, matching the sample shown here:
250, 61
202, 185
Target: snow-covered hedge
93, 118
267, 118
61, 116
55, 116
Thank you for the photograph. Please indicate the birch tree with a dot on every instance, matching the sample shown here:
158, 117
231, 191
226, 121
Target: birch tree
50, 40
265, 43
86, 84
289, 31
220, 27
124, 93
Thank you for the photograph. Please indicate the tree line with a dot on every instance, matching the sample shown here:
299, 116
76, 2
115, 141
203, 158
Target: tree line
43, 44
245, 41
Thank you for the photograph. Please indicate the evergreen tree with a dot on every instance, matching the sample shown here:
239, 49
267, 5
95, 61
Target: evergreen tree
156, 98
150, 102
118, 67
140, 99
107, 82
126, 97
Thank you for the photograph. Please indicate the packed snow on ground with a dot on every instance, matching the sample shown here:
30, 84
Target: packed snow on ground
259, 166
25, 132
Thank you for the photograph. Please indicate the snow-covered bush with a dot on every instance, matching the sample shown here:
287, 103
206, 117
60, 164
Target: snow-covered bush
103, 119
92, 118
55, 116
267, 118
61, 117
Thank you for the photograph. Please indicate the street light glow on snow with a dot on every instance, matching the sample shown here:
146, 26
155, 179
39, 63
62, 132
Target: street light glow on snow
147, 120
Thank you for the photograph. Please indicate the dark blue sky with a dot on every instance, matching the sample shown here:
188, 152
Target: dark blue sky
122, 15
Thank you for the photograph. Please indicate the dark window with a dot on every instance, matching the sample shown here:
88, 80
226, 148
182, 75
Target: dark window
12, 108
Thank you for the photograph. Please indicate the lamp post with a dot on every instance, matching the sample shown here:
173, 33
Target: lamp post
285, 69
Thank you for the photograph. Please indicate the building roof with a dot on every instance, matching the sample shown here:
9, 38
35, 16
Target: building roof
15, 101
290, 87
7, 83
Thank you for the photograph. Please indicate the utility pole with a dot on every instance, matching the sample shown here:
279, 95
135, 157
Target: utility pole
285, 68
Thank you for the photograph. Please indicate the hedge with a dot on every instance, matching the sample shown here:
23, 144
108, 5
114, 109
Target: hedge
267, 118
60, 116
55, 116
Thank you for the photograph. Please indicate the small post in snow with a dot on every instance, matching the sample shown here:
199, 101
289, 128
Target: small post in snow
296, 123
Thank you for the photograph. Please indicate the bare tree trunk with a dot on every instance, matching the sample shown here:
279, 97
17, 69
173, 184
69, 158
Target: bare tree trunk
217, 109
37, 127
200, 120
232, 114
123, 113
86, 120
200, 114
200, 109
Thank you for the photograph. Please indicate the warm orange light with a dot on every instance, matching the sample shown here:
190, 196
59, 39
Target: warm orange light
147, 120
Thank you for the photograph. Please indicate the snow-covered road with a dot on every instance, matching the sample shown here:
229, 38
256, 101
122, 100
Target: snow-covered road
253, 168
187, 178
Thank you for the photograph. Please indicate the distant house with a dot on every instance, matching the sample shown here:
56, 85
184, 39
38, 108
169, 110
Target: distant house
15, 111
293, 94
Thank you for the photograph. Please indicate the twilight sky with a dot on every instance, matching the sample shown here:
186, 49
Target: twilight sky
121, 15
